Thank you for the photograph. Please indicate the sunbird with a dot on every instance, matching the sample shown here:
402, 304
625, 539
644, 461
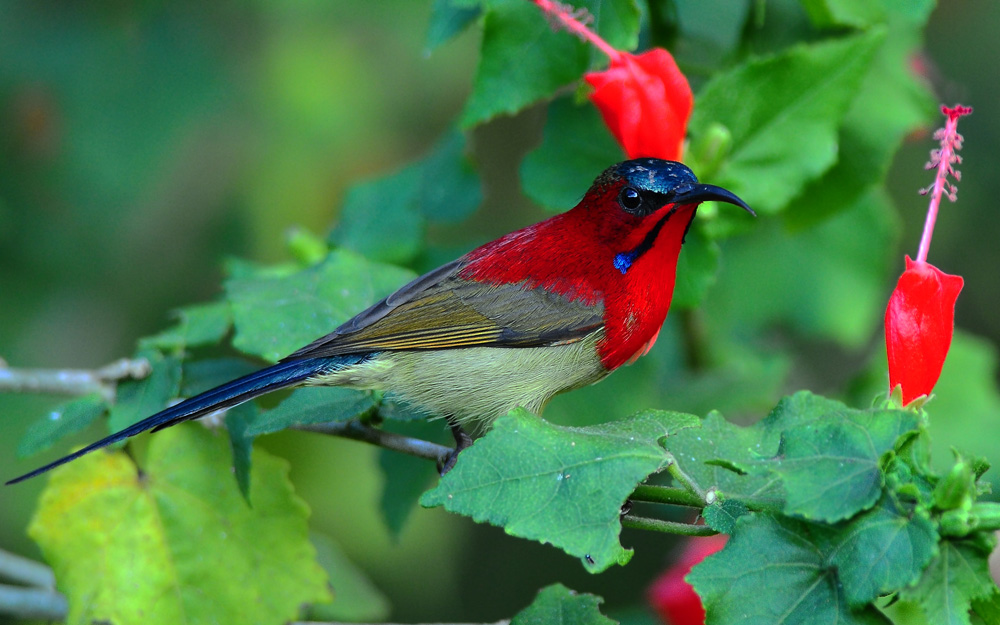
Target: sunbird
542, 310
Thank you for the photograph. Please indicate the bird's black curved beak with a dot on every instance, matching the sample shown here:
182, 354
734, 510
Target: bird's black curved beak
709, 193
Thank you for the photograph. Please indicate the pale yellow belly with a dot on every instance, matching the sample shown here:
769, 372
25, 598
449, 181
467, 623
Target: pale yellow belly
475, 385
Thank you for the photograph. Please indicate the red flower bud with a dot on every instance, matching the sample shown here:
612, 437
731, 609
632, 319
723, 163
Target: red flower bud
919, 323
673, 599
645, 101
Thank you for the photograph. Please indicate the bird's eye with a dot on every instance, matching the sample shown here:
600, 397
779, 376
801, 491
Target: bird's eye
629, 199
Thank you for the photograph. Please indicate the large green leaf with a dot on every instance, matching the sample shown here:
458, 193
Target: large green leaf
958, 576
177, 543
783, 113
559, 485
523, 59
880, 551
776, 553
277, 314
830, 462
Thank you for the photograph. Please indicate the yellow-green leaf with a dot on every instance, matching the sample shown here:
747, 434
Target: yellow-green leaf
177, 543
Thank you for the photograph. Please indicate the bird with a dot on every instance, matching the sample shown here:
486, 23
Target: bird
542, 310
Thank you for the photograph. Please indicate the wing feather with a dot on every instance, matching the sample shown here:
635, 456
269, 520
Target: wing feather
442, 310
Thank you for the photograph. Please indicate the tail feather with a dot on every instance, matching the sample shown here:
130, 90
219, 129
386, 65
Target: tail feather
281, 375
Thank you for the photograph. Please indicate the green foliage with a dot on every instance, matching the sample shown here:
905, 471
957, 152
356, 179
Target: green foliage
62, 421
320, 298
558, 605
178, 542
782, 142
839, 508
530, 477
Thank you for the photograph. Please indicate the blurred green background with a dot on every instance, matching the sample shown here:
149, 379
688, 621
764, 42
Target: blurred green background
142, 143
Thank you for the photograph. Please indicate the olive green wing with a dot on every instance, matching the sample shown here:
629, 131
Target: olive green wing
441, 310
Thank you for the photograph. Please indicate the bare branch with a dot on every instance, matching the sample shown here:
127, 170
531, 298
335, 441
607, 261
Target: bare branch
72, 381
389, 440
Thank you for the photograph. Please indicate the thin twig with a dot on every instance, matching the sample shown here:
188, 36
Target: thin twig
32, 603
72, 381
669, 527
669, 495
22, 570
389, 440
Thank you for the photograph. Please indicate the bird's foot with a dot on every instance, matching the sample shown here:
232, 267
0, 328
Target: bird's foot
462, 440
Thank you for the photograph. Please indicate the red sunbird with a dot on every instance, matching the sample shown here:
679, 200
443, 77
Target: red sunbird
546, 309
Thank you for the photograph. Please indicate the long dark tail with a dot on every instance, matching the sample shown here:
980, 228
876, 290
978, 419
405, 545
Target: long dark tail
281, 375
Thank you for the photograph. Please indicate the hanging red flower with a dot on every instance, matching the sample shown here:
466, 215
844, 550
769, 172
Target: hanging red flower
919, 323
920, 318
645, 101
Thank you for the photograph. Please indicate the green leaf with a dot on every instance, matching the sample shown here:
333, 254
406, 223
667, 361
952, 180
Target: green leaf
442, 186
576, 147
449, 189
958, 576
177, 543
530, 477
783, 113
406, 477
890, 103
380, 220
558, 605
138, 399
355, 597
856, 13
723, 514
241, 444
202, 324
312, 405
769, 552
880, 551
523, 59
830, 462
275, 315
60, 422
448, 19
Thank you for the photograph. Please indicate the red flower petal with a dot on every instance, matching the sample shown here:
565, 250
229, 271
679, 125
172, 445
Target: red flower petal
645, 101
919, 323
673, 599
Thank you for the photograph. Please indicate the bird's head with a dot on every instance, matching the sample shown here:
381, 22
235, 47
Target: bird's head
645, 202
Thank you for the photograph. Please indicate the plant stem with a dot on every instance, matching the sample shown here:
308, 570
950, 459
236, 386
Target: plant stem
683, 478
667, 527
567, 18
667, 495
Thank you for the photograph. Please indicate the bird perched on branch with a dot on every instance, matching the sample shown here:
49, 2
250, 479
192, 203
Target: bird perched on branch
546, 309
